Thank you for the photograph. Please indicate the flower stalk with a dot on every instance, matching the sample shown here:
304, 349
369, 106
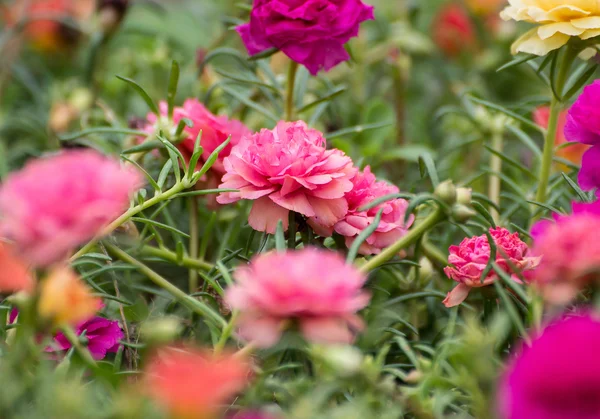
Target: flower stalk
291, 84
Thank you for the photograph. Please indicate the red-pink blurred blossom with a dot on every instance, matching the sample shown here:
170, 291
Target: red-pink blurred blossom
288, 169
471, 257
55, 203
392, 227
453, 31
311, 288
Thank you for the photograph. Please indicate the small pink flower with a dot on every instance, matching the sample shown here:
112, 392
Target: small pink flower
557, 376
571, 255
392, 226
288, 169
103, 336
471, 257
215, 130
314, 288
58, 202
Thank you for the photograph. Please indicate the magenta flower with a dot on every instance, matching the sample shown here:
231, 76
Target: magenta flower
313, 289
583, 120
589, 175
55, 203
471, 257
557, 376
310, 32
571, 258
288, 169
392, 226
215, 130
103, 336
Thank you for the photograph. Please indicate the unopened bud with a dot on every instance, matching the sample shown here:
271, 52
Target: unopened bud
462, 213
446, 191
414, 377
161, 331
464, 196
344, 360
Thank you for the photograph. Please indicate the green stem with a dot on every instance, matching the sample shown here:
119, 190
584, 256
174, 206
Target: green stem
412, 236
227, 331
170, 256
193, 247
495, 182
289, 98
83, 352
190, 302
555, 107
435, 255
159, 197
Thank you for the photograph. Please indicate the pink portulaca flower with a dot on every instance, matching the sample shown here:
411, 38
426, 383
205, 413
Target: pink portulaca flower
314, 288
471, 257
557, 376
56, 203
103, 337
392, 226
288, 169
215, 130
311, 32
571, 259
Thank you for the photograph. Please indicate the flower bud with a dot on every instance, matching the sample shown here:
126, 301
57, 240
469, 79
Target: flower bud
344, 360
462, 213
464, 196
446, 191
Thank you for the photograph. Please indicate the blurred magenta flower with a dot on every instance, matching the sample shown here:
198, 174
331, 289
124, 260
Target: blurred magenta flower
311, 288
215, 130
55, 203
288, 169
310, 32
453, 32
570, 256
253, 414
194, 383
557, 376
392, 226
103, 336
471, 257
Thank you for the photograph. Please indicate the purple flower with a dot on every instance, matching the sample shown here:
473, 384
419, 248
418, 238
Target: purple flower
557, 376
310, 32
589, 175
103, 336
583, 120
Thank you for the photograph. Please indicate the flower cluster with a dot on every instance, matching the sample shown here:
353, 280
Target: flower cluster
312, 33
470, 259
314, 288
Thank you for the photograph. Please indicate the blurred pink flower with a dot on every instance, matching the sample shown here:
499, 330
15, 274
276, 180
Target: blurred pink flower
392, 226
571, 255
288, 169
215, 130
471, 257
103, 336
55, 203
312, 33
313, 288
557, 376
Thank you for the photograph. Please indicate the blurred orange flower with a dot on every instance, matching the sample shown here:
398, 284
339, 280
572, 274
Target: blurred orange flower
65, 299
453, 31
48, 34
14, 274
192, 383
572, 152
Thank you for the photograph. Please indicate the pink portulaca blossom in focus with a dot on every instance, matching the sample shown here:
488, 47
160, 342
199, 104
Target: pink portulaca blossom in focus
310, 32
103, 337
58, 202
314, 289
557, 376
215, 130
471, 257
392, 226
288, 169
571, 257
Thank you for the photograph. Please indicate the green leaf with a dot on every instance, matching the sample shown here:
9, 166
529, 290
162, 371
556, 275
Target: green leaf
249, 102
279, 237
264, 54
426, 164
357, 129
141, 169
505, 111
512, 162
582, 195
140, 90
213, 157
330, 96
145, 146
484, 213
364, 235
101, 130
198, 150
578, 84
161, 225
164, 172
173, 82
518, 60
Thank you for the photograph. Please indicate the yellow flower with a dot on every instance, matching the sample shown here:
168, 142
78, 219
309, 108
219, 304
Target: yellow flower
65, 299
558, 21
